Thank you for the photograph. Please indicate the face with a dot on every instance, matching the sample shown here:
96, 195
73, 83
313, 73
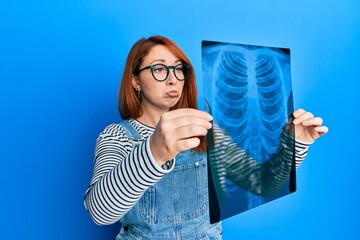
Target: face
158, 96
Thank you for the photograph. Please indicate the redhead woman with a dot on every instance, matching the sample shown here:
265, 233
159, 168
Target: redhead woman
150, 170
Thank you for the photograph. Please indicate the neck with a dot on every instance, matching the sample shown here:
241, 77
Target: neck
151, 117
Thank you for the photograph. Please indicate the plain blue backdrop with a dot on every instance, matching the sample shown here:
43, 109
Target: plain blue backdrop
60, 69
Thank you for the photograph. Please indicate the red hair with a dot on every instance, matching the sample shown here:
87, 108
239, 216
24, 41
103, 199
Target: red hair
129, 104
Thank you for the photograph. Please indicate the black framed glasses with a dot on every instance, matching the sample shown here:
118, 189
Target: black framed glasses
160, 72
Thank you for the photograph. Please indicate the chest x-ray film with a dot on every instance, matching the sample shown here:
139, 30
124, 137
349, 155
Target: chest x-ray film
251, 152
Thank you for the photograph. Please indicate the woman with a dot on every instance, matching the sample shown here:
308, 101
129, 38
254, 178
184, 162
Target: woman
150, 170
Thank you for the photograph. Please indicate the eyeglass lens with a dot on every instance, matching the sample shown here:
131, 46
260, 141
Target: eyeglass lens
161, 72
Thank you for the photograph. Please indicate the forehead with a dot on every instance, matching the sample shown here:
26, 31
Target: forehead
160, 53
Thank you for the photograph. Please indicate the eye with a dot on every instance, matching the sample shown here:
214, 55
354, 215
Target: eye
179, 68
159, 69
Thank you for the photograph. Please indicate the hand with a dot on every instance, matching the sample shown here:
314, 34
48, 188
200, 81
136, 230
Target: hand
177, 131
307, 127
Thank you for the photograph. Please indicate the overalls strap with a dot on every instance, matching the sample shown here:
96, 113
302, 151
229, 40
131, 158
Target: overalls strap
130, 131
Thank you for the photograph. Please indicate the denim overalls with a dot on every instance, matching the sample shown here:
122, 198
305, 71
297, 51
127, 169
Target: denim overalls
174, 208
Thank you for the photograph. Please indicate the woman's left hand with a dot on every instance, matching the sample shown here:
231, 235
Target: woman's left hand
307, 127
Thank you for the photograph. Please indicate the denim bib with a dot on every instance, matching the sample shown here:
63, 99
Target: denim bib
176, 207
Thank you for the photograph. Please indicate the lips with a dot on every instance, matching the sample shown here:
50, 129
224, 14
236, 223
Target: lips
172, 93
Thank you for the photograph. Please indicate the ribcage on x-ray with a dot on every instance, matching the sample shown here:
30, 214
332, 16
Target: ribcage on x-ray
249, 99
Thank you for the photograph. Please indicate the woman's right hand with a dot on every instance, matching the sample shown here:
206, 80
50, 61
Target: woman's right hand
177, 131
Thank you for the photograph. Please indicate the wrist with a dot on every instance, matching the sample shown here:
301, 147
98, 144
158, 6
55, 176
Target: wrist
156, 154
158, 165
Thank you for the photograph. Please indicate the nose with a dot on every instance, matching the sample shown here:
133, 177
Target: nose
171, 79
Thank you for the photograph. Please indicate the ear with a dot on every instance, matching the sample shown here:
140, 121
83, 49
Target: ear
136, 83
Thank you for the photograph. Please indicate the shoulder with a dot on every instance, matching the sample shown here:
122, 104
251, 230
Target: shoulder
117, 130
114, 130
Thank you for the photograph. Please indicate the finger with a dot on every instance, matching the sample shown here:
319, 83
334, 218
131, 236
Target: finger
303, 117
189, 132
191, 121
298, 112
313, 122
321, 130
188, 112
186, 144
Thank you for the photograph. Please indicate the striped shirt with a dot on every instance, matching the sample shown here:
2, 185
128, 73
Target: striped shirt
124, 169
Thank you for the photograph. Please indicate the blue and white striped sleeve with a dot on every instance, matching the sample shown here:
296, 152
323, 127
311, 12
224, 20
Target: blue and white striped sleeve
122, 172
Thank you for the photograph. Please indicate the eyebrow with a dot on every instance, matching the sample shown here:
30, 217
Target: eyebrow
163, 60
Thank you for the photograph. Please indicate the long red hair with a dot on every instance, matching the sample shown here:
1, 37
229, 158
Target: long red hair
129, 104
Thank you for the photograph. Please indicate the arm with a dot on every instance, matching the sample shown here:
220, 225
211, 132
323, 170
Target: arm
231, 162
267, 178
122, 172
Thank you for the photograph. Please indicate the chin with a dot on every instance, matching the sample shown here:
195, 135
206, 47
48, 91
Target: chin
171, 105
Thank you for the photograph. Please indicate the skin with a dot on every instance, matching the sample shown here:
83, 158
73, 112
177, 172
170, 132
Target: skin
307, 127
157, 97
178, 130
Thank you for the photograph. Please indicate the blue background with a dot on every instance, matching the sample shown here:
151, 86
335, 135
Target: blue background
60, 66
